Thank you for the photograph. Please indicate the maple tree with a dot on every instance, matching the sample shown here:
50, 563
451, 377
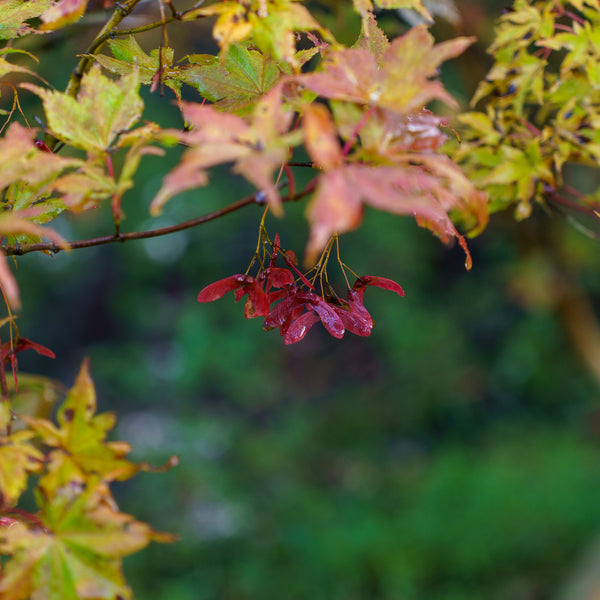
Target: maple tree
281, 94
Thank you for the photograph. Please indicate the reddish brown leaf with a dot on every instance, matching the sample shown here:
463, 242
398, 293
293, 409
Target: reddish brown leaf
321, 137
335, 207
402, 79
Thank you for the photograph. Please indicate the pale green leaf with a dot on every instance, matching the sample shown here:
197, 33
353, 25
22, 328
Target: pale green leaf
102, 110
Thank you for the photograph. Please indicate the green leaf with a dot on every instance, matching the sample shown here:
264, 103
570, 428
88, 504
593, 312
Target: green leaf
15, 13
236, 83
129, 56
79, 440
77, 555
364, 7
21, 160
7, 67
102, 110
271, 24
18, 458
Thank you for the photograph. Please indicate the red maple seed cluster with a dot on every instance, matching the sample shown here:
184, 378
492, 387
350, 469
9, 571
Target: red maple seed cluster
288, 300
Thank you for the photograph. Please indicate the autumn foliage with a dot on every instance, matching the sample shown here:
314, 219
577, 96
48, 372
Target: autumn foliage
370, 122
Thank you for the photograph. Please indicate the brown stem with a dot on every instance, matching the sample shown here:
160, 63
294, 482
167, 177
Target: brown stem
18, 250
142, 28
591, 209
3, 385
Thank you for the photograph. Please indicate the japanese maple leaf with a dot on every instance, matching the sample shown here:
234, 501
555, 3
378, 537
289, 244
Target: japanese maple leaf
236, 82
364, 7
15, 13
427, 191
257, 146
78, 552
102, 110
18, 458
21, 160
424, 184
63, 13
272, 24
79, 441
384, 133
401, 79
129, 56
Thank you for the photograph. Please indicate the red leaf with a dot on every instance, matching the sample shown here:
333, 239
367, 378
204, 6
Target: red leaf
299, 328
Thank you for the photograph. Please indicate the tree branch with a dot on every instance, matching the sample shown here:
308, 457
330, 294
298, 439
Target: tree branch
52, 247
122, 10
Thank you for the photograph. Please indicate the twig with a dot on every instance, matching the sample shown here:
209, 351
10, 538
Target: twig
52, 247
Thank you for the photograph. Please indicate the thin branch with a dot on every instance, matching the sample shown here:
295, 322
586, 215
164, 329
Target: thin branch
123, 9
301, 164
52, 247
142, 28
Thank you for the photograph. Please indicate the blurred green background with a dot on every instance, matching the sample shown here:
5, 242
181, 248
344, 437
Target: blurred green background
453, 455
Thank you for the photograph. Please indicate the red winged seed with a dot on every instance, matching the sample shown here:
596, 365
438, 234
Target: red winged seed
382, 282
275, 254
299, 328
328, 317
278, 314
278, 277
278, 295
353, 323
218, 289
8, 351
258, 304
25, 344
357, 307
292, 316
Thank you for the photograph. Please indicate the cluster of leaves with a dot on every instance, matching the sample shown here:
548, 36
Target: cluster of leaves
542, 107
390, 159
294, 305
360, 115
72, 546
